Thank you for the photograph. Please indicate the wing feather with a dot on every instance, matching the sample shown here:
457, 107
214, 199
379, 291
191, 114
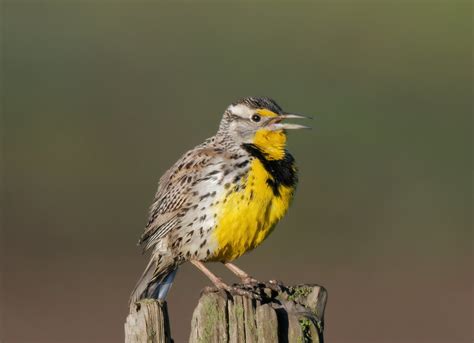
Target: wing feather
176, 189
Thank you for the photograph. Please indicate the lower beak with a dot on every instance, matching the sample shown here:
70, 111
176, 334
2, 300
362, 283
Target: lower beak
278, 125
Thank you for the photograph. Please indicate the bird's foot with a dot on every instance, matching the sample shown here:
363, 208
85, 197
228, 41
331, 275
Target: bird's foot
220, 284
275, 285
233, 290
248, 280
249, 292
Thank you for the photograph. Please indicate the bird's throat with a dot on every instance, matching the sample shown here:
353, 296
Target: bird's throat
271, 143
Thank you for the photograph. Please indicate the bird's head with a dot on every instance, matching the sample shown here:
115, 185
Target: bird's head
261, 122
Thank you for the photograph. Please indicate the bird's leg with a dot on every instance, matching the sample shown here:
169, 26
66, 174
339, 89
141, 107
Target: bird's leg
215, 279
246, 278
221, 284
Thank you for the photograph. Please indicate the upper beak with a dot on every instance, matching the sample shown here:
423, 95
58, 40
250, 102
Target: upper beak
278, 125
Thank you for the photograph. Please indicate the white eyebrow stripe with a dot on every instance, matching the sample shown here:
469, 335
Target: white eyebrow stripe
241, 110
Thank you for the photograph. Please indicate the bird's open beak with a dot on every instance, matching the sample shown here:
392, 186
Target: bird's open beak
277, 124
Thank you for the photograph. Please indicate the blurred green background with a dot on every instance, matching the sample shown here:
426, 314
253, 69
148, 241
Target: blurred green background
101, 97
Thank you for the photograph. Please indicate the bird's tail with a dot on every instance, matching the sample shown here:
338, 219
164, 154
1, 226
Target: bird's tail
155, 281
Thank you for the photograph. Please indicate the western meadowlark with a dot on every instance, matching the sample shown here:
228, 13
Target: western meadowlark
222, 198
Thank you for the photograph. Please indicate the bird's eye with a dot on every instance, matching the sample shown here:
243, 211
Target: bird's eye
256, 118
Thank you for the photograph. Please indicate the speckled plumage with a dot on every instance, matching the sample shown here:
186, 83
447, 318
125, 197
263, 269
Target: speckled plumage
243, 172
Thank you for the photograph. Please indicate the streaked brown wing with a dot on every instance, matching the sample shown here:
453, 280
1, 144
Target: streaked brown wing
175, 190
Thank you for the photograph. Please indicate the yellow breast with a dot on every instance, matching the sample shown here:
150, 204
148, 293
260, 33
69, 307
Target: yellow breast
246, 216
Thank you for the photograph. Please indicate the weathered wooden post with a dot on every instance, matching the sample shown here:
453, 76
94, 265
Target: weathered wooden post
258, 313
148, 322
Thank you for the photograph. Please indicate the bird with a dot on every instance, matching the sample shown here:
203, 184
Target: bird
222, 198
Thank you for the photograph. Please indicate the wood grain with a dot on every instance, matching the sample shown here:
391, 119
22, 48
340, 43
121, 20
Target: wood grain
258, 313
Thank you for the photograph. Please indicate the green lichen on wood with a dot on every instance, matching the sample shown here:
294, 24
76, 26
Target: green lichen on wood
305, 325
151, 335
239, 310
299, 292
213, 315
224, 317
251, 326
